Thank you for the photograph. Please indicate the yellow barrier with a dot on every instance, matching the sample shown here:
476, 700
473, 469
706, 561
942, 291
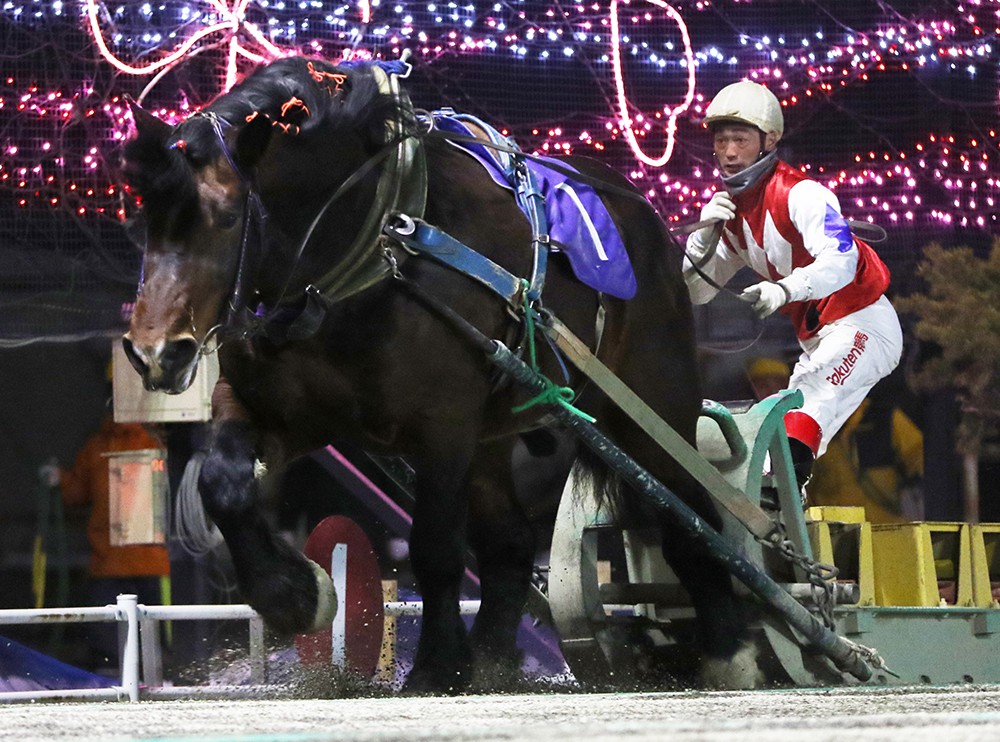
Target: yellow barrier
923, 564
909, 564
985, 543
841, 537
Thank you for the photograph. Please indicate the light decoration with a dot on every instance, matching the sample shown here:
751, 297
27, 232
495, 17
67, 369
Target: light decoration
812, 65
40, 173
922, 180
231, 25
890, 188
626, 121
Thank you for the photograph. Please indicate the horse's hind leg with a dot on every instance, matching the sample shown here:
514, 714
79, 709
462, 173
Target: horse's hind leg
292, 593
503, 541
662, 372
722, 616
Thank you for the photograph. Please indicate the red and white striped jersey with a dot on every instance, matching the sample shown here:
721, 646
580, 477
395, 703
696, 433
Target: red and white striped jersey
790, 227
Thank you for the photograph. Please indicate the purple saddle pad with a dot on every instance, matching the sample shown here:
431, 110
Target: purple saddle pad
579, 223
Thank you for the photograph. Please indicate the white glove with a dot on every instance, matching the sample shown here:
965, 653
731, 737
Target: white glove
719, 209
766, 297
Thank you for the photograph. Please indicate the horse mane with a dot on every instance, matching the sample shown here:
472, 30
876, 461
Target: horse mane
300, 96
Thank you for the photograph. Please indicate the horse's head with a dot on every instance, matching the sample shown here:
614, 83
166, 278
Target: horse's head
193, 201
283, 133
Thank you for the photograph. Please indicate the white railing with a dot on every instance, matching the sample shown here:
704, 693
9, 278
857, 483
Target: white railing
141, 646
75, 615
141, 640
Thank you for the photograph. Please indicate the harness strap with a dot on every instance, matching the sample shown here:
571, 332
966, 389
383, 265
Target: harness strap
421, 238
530, 195
527, 190
426, 239
758, 522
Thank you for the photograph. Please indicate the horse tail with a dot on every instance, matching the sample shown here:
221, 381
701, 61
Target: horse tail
589, 472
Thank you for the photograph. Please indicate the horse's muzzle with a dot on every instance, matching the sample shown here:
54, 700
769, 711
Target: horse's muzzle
168, 366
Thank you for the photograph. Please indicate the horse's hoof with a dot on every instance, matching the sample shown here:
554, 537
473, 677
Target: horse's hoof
434, 682
497, 671
739, 672
299, 602
326, 598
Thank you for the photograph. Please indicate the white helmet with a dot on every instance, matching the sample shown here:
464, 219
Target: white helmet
747, 102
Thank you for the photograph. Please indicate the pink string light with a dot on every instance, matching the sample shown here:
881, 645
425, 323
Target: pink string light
878, 185
623, 103
233, 24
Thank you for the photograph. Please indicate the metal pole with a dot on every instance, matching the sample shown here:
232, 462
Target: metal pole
338, 631
226, 611
129, 612
258, 652
58, 615
416, 607
842, 653
152, 651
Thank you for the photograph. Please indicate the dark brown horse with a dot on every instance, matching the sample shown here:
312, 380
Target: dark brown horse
273, 188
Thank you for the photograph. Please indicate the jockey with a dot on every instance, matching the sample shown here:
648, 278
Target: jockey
790, 231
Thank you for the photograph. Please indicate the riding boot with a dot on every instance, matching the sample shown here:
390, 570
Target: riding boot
802, 462
804, 436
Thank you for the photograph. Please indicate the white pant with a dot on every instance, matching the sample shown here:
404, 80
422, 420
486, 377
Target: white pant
843, 361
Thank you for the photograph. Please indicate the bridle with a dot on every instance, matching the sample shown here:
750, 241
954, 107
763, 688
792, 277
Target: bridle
254, 217
235, 316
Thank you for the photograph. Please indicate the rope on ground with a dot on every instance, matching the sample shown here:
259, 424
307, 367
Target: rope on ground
196, 534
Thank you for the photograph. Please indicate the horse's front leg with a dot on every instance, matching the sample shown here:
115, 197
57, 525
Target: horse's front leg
443, 663
292, 593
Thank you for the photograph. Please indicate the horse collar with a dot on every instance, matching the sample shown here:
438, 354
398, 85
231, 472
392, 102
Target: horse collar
402, 187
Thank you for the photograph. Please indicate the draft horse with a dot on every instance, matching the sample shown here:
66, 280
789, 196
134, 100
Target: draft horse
272, 191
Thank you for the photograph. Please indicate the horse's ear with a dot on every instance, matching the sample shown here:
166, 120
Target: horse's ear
146, 124
252, 141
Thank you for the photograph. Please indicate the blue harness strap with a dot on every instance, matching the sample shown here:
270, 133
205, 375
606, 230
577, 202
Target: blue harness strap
422, 238
529, 195
527, 190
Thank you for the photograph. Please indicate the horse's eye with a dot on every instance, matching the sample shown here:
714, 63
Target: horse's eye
227, 219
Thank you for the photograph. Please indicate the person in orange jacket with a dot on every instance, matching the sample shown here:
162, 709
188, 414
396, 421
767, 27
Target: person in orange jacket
142, 569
